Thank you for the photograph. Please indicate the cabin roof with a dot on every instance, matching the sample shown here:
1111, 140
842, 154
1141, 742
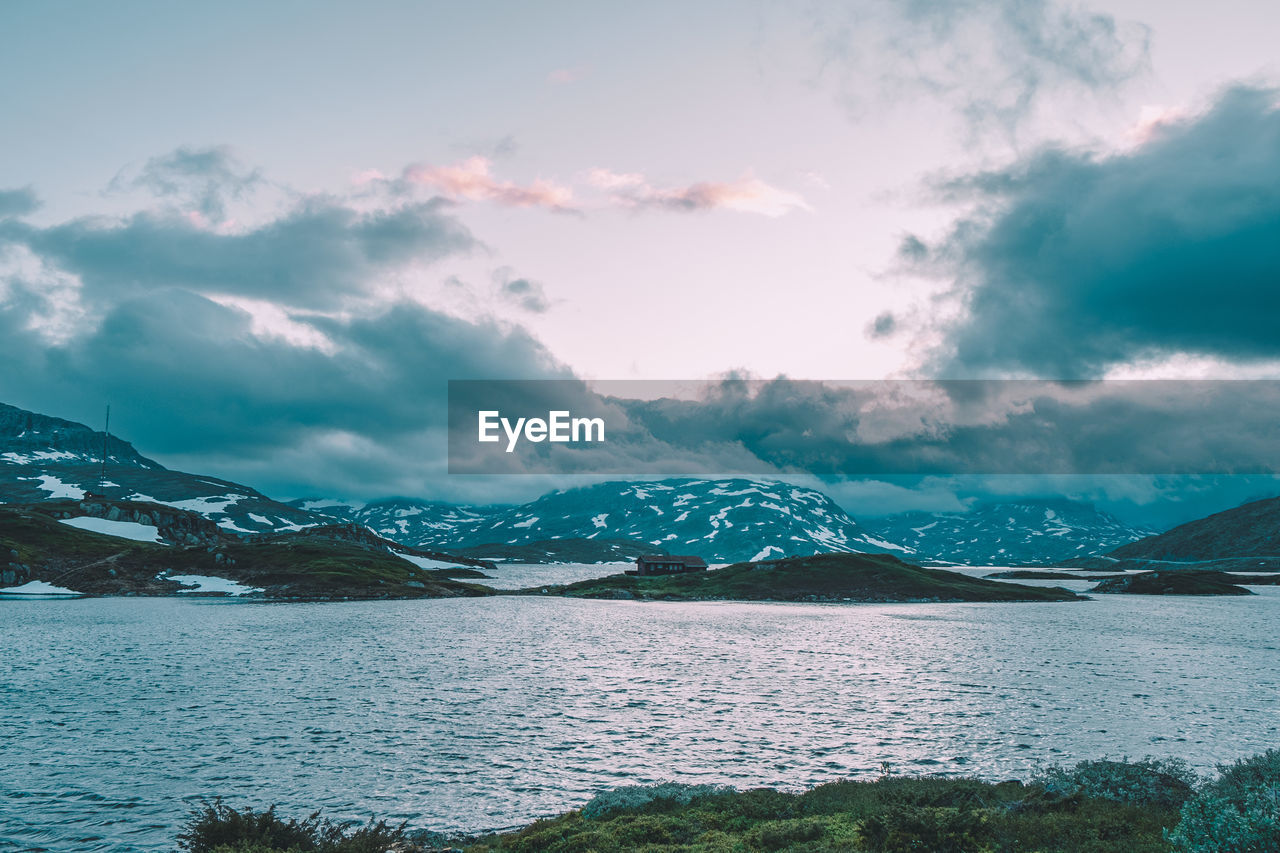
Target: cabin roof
672, 558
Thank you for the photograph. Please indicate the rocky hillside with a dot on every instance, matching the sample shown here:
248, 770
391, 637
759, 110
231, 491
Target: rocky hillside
1006, 534
46, 458
719, 520
1244, 538
103, 547
1249, 530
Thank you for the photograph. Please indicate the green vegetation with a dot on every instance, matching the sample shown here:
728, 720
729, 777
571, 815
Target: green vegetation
38, 547
1093, 807
825, 577
301, 566
217, 828
892, 814
1165, 783
1239, 812
1173, 582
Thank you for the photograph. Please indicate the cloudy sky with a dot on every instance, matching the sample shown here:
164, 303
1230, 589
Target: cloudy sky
269, 233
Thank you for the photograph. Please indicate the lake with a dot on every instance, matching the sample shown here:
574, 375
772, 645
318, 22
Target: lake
467, 714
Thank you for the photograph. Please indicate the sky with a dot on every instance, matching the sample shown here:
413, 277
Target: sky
268, 234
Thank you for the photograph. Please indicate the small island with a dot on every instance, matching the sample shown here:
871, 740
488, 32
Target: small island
819, 578
1174, 582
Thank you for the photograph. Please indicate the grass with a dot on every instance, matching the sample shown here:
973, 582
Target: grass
1148, 806
825, 577
890, 815
217, 828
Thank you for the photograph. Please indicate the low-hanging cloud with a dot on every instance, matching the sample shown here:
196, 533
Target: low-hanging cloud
1075, 263
191, 383
885, 428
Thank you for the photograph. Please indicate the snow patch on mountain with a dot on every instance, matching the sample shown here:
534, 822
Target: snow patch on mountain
122, 529
1023, 532
720, 520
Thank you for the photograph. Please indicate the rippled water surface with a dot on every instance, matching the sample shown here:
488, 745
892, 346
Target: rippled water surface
483, 713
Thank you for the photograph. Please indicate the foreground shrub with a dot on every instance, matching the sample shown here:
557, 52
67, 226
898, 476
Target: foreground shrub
1094, 807
1239, 812
217, 828
637, 797
1164, 783
905, 828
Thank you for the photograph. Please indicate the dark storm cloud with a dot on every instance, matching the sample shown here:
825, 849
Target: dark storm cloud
315, 255
977, 427
1076, 262
991, 59
18, 202
882, 428
203, 179
132, 311
188, 378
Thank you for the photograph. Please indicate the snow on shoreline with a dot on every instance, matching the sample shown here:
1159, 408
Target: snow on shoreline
38, 588
428, 563
209, 583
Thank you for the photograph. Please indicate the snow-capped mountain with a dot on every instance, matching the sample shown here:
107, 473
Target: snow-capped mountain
42, 457
407, 520
1002, 534
719, 520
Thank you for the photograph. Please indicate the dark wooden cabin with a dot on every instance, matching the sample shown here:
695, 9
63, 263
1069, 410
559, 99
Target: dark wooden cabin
667, 564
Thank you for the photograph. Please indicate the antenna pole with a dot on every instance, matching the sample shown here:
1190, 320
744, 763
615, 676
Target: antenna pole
106, 431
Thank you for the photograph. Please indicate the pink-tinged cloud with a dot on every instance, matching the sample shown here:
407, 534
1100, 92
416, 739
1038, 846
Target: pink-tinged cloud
748, 194
472, 179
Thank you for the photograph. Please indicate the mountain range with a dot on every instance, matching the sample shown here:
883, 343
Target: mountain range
731, 520
1008, 533
722, 520
47, 458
